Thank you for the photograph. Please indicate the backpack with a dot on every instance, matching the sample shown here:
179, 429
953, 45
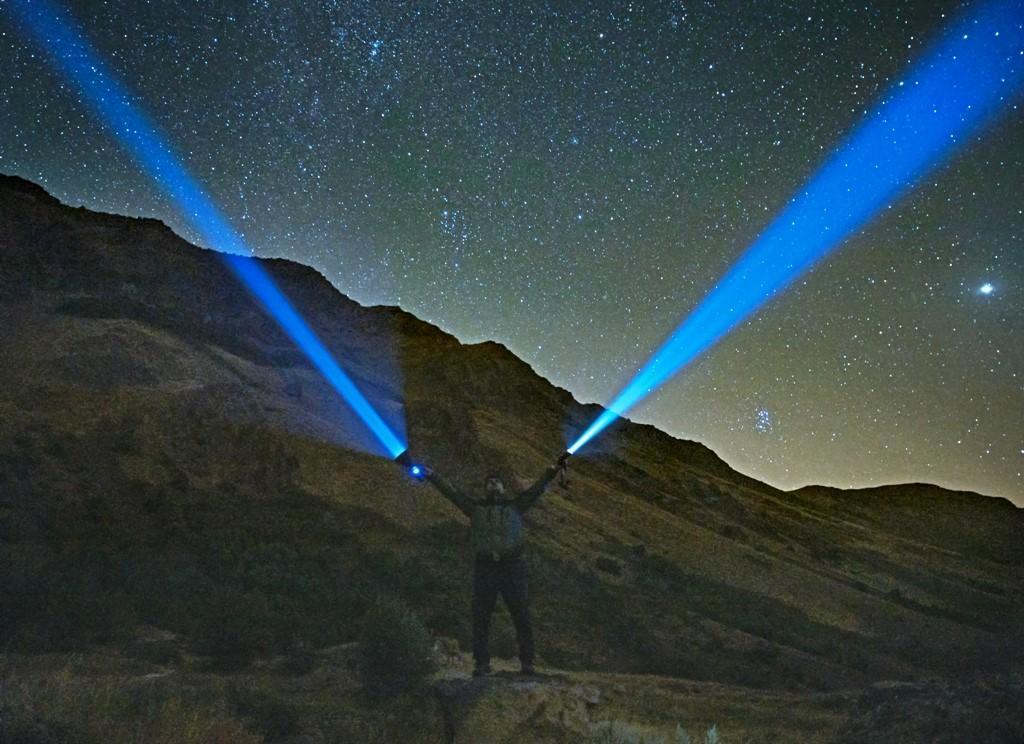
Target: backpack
496, 530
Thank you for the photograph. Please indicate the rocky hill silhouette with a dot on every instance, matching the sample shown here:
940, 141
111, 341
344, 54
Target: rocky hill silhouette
182, 493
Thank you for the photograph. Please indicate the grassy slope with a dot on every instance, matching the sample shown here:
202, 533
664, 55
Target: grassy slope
168, 459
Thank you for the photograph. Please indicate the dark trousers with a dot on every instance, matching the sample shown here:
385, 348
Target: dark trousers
506, 577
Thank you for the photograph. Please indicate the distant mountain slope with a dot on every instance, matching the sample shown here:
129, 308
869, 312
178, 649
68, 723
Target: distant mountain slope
168, 458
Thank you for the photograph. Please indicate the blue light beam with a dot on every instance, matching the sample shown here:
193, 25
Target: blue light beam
954, 90
72, 54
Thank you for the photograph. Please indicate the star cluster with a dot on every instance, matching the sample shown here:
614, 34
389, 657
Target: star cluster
570, 179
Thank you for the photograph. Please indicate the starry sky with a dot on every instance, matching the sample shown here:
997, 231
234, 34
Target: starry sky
570, 179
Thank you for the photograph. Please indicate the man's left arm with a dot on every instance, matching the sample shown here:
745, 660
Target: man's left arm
529, 497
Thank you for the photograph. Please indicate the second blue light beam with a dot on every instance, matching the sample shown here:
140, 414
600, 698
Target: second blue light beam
949, 95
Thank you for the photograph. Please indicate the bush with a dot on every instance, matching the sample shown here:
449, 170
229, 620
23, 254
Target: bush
272, 717
608, 565
233, 627
395, 650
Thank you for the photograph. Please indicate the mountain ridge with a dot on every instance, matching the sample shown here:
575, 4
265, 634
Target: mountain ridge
169, 461
295, 270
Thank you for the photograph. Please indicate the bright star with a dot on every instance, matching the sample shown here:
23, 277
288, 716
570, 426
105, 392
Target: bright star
986, 289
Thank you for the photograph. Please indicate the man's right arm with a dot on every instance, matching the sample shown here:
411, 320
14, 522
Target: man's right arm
450, 492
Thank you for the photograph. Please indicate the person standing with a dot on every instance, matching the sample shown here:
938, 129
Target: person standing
499, 568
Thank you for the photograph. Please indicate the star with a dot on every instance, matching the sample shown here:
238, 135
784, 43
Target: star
986, 289
763, 423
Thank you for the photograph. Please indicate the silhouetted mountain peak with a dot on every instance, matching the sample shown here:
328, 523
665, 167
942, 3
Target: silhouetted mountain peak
14, 187
163, 445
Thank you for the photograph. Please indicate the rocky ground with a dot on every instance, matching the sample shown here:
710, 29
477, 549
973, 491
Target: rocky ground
56, 698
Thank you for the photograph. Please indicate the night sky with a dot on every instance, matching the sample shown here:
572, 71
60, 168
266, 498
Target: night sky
570, 179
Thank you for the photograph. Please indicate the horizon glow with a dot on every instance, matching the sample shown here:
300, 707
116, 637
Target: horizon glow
958, 86
57, 33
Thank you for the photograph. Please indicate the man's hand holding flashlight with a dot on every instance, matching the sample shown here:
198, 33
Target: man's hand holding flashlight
417, 471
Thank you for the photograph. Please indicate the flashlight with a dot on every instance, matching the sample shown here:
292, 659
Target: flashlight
416, 471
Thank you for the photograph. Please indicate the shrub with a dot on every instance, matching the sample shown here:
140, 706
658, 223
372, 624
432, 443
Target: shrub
232, 627
395, 650
608, 565
272, 717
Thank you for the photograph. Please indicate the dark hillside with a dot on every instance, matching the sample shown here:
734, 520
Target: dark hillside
168, 460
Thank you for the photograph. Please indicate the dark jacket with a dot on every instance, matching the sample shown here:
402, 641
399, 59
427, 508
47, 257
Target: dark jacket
496, 527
